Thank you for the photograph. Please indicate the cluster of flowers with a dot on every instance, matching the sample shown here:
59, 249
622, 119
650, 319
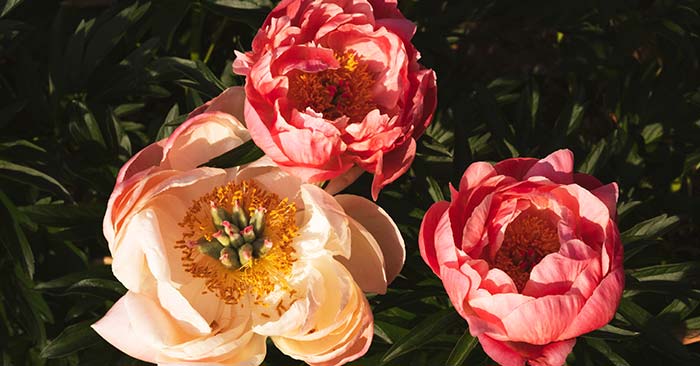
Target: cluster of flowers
218, 260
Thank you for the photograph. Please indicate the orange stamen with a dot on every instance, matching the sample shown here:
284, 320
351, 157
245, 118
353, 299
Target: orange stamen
527, 239
345, 91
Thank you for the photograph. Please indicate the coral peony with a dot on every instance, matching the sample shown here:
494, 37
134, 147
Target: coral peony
217, 260
529, 254
333, 85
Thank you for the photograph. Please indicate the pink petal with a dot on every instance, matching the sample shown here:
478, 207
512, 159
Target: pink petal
554, 275
557, 167
542, 320
148, 157
305, 59
515, 167
498, 282
426, 236
382, 228
475, 174
553, 354
393, 165
339, 183
608, 194
600, 308
500, 352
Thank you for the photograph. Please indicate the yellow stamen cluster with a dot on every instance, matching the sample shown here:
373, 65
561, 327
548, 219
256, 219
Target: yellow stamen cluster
527, 239
345, 91
258, 277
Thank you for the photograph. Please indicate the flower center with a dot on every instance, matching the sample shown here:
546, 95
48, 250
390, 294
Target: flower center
238, 237
345, 91
527, 239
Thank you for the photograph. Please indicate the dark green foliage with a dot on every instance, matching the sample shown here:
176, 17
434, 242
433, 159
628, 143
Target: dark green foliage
84, 84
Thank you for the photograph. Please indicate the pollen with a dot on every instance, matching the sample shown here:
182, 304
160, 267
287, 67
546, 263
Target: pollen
238, 237
528, 239
345, 91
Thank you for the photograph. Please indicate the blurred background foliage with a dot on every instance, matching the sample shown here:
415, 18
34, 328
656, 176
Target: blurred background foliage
86, 83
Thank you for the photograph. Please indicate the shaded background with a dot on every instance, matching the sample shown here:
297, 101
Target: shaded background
86, 83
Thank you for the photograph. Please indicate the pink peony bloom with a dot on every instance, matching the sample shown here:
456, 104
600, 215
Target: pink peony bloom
336, 84
529, 254
217, 260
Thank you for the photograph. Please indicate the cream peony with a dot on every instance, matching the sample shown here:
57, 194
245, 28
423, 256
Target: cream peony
217, 260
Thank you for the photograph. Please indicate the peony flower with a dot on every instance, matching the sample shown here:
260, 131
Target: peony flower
529, 254
333, 85
217, 260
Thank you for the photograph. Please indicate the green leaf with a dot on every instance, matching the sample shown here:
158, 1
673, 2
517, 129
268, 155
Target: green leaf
108, 34
24, 246
434, 189
7, 5
250, 12
667, 272
462, 349
652, 133
62, 214
98, 287
246, 153
653, 227
590, 163
172, 120
422, 333
188, 73
25, 174
72, 339
604, 349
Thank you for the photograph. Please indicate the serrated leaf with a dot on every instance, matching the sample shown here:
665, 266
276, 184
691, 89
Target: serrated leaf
243, 154
650, 228
421, 334
462, 349
74, 338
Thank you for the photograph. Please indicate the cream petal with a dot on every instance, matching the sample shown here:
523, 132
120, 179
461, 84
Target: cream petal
115, 327
325, 224
203, 138
375, 220
366, 262
340, 329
